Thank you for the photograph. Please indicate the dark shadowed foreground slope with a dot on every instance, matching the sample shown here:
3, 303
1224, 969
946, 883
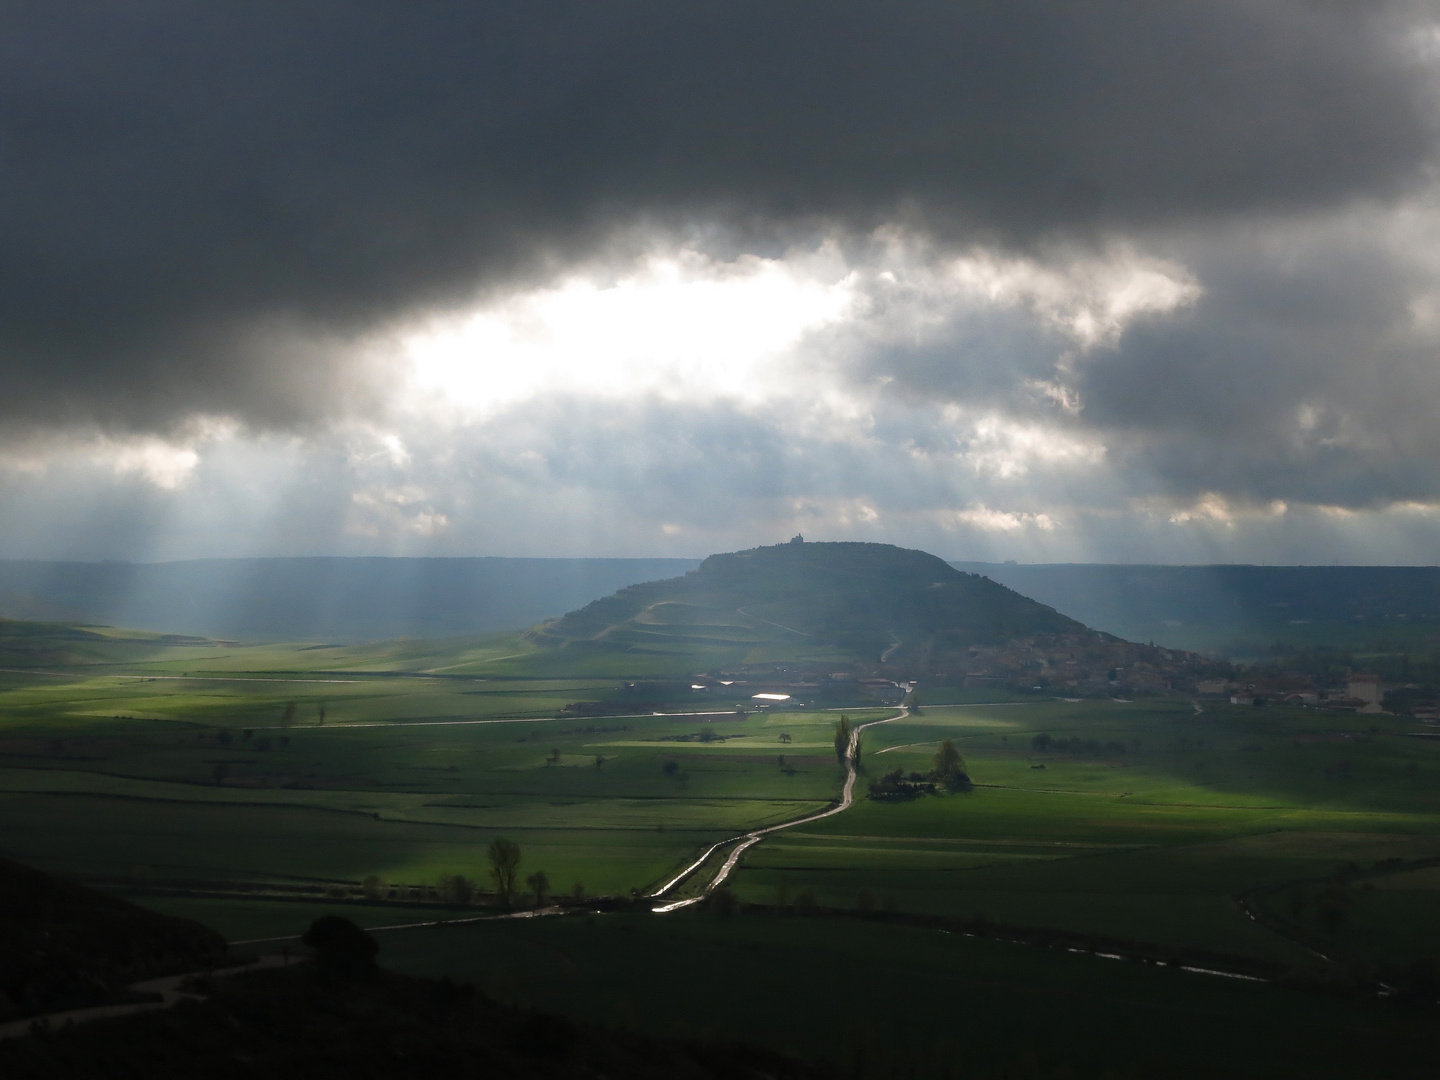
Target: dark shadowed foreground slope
63, 946
318, 599
300, 1022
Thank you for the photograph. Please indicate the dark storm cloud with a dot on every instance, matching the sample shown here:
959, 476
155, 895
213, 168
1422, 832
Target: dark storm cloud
188, 190
1305, 371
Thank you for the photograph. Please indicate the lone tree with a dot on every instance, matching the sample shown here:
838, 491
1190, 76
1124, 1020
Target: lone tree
842, 738
539, 883
950, 768
341, 947
948, 761
287, 717
504, 865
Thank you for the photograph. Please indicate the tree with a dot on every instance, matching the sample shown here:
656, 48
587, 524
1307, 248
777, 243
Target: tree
456, 889
287, 716
373, 887
842, 738
950, 768
504, 865
539, 883
321, 721
784, 736
948, 761
554, 758
341, 947
599, 760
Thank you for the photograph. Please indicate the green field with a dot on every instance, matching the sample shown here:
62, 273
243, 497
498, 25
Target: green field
200, 780
192, 765
1154, 838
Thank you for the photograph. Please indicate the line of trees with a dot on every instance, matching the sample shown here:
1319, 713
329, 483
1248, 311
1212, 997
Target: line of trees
504, 858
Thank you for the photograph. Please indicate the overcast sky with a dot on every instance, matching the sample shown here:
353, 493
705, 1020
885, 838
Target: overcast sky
1112, 281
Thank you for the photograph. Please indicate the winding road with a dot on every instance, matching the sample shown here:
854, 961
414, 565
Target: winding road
750, 839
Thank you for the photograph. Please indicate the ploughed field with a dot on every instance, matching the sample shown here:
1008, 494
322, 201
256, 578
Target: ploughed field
202, 781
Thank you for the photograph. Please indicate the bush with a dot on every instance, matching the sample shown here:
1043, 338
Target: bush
341, 947
723, 902
894, 786
456, 889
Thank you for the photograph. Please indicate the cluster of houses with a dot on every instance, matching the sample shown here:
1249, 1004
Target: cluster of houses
1362, 693
1082, 664
1069, 664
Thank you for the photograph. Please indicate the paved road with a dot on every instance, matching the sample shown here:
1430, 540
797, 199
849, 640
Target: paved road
750, 839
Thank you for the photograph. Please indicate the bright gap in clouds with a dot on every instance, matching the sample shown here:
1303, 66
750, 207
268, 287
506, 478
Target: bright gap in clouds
680, 327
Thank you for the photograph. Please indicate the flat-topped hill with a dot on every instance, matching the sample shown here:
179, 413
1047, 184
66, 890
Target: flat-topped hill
843, 600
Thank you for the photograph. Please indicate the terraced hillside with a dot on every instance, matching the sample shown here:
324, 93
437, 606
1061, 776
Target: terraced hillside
857, 603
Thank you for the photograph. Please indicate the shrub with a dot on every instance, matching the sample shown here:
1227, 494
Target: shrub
341, 947
723, 902
456, 889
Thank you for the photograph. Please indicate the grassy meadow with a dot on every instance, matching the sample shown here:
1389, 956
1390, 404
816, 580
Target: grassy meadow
237, 767
256, 787
1153, 834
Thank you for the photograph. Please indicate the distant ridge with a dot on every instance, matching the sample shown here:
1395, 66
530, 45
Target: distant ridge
1223, 607
330, 599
